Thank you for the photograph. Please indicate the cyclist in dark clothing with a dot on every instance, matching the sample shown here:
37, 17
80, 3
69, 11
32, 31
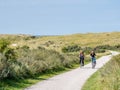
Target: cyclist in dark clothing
93, 58
81, 56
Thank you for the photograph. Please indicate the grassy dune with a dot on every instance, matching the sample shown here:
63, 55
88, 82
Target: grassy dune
107, 78
57, 42
26, 56
84, 40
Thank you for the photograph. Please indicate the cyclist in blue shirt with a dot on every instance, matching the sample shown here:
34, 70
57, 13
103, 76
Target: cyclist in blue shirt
93, 58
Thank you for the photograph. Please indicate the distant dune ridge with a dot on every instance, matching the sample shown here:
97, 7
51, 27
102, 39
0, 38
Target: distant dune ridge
58, 41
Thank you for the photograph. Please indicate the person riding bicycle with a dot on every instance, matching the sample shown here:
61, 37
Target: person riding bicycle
81, 55
93, 58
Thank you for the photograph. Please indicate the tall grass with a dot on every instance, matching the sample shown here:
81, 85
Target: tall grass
24, 62
107, 78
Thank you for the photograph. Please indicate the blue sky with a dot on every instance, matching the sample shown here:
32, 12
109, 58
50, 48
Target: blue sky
59, 17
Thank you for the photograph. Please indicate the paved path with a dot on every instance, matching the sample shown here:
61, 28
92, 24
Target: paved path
72, 80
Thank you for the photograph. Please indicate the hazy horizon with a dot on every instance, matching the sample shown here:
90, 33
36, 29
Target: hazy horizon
57, 34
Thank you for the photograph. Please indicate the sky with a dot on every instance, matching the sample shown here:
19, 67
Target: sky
59, 17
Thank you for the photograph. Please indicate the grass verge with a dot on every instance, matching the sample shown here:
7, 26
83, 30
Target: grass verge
107, 78
9, 84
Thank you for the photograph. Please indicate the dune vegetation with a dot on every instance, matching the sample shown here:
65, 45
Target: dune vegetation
26, 56
58, 42
107, 78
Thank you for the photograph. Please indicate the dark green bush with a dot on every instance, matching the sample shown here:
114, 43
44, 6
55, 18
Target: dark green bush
87, 50
72, 48
7, 58
117, 47
3, 45
102, 48
32, 62
25, 47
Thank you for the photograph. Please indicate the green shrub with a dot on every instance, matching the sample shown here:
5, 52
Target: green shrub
32, 62
100, 50
104, 47
3, 45
7, 58
87, 50
72, 48
24, 62
108, 47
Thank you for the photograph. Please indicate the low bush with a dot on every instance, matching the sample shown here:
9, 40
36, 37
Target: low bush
72, 48
24, 62
87, 50
108, 47
7, 59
